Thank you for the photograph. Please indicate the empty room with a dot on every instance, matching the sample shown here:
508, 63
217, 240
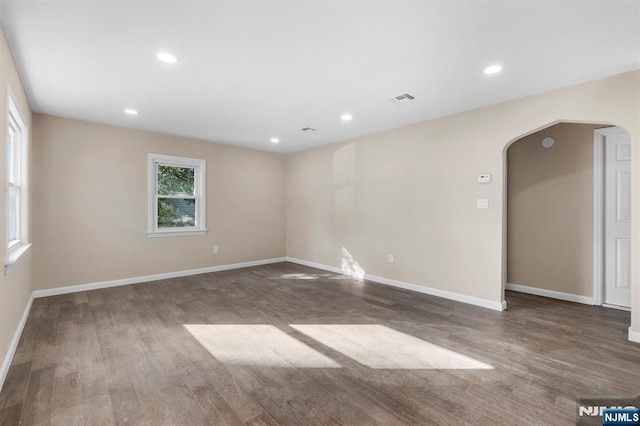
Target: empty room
320, 212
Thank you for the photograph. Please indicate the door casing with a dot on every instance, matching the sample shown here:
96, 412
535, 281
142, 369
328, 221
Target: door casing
599, 137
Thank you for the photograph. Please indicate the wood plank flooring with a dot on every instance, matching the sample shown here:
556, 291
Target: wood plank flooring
171, 353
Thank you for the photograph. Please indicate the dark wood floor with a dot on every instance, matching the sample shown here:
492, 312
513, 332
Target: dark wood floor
144, 354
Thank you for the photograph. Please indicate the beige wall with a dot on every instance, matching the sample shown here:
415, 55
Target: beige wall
550, 210
90, 204
413, 191
15, 288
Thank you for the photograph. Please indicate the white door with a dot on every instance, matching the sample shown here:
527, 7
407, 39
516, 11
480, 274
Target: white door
617, 217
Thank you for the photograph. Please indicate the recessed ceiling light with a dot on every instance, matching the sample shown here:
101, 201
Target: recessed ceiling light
167, 57
131, 111
493, 69
346, 117
274, 140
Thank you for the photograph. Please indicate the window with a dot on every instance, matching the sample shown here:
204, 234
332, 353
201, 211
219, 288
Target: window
17, 196
177, 204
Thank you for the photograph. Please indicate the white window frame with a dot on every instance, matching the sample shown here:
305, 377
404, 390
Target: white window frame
18, 247
200, 191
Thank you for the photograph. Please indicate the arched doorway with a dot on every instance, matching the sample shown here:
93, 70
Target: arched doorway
554, 235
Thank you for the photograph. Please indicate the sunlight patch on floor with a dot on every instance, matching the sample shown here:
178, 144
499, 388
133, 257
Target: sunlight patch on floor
381, 347
259, 345
303, 276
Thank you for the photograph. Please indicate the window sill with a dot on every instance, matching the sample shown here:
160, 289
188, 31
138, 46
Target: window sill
14, 255
163, 234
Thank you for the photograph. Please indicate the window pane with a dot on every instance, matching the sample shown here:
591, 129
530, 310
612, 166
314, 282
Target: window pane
10, 155
176, 180
12, 213
13, 154
176, 212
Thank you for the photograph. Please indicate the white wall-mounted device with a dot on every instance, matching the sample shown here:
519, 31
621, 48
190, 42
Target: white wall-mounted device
484, 178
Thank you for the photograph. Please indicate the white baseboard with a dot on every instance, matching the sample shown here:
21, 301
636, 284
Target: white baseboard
6, 363
550, 293
496, 306
318, 266
147, 278
634, 336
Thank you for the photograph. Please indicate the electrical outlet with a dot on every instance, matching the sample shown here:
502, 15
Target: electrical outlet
391, 258
215, 250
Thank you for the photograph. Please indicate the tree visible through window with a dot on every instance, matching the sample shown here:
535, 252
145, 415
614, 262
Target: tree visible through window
176, 198
178, 195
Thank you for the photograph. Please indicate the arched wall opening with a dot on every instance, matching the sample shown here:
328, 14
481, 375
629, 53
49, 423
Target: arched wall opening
550, 237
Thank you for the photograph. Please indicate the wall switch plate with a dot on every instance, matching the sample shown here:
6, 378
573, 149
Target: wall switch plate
484, 178
215, 249
391, 258
483, 203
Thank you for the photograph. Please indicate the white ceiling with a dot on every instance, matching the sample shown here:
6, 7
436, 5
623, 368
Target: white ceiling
250, 70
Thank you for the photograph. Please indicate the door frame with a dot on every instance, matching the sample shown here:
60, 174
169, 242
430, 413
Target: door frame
599, 136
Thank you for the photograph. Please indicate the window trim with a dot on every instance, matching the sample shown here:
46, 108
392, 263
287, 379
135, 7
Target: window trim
200, 166
15, 249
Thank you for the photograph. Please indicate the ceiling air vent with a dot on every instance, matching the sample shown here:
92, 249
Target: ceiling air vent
307, 129
405, 97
